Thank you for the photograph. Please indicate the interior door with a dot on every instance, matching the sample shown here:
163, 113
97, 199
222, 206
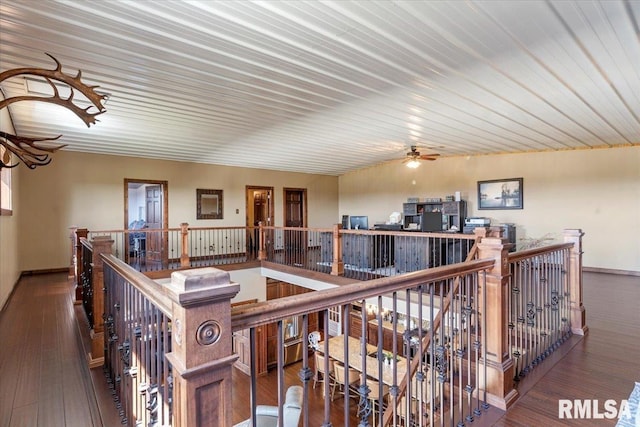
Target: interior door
259, 210
295, 213
156, 250
146, 208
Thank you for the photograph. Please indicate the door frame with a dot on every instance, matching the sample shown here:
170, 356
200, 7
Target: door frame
165, 209
295, 243
285, 190
249, 202
250, 217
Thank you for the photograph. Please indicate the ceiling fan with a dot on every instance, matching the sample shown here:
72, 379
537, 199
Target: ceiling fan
413, 157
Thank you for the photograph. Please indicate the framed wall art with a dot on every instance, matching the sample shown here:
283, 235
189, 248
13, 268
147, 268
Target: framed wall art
209, 203
500, 194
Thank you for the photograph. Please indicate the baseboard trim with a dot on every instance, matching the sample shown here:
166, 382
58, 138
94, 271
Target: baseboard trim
13, 289
45, 271
611, 271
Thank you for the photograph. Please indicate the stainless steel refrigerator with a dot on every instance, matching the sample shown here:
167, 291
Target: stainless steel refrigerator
292, 339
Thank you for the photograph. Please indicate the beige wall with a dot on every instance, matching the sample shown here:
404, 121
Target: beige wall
87, 190
595, 190
9, 262
9, 265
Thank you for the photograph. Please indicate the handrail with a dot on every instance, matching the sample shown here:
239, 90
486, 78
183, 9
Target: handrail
495, 262
86, 242
443, 235
248, 316
529, 253
153, 291
229, 227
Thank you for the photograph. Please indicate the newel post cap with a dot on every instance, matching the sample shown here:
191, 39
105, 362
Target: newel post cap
201, 285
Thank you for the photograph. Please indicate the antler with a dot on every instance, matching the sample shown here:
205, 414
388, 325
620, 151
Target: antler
27, 149
57, 74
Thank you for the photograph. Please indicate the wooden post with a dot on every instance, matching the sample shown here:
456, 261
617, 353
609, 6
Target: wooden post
184, 256
79, 232
578, 314
499, 382
202, 355
73, 265
262, 251
101, 245
72, 259
337, 266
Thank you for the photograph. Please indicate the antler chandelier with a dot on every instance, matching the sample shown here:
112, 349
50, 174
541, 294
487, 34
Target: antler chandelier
35, 152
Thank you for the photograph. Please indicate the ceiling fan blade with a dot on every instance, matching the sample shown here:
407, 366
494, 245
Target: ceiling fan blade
429, 156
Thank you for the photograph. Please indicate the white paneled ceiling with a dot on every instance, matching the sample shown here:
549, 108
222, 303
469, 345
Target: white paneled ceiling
329, 87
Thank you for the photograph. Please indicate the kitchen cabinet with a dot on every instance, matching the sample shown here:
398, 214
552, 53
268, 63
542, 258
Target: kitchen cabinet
292, 327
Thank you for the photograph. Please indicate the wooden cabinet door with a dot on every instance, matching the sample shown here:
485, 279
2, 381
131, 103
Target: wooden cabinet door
372, 333
355, 325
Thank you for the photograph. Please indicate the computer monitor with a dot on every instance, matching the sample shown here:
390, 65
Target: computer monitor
359, 222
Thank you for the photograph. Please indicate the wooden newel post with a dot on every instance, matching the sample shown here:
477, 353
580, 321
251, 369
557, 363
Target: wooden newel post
262, 250
499, 382
73, 265
201, 355
337, 266
79, 232
100, 245
578, 313
184, 256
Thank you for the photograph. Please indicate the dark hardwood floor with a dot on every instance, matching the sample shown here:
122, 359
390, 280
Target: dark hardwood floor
604, 365
44, 379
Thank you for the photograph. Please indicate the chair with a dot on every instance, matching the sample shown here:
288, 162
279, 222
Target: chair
418, 398
320, 376
314, 340
404, 418
375, 398
345, 379
267, 416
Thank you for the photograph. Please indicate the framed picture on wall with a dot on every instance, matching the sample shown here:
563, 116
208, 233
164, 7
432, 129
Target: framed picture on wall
500, 194
209, 204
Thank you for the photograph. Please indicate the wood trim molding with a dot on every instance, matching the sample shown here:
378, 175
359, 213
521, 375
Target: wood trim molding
45, 271
611, 271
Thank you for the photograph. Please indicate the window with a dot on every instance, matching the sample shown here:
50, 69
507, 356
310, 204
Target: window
5, 187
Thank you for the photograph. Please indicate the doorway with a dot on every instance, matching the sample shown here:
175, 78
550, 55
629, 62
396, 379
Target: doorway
259, 209
295, 215
146, 208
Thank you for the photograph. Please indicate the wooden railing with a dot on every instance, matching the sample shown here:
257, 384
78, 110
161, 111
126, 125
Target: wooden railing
168, 346
448, 325
157, 250
358, 254
144, 325
363, 254
540, 302
137, 339
90, 279
435, 341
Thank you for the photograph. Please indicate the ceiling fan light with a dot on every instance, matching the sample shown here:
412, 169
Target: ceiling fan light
413, 163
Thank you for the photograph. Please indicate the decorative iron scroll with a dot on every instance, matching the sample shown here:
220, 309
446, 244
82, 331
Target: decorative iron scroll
35, 152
